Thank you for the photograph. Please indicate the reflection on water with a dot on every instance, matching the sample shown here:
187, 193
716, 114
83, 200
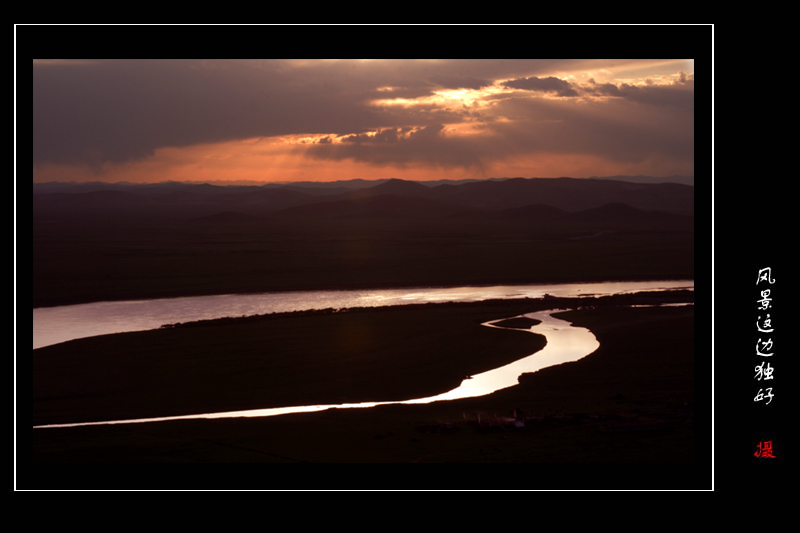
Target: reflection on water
52, 325
565, 343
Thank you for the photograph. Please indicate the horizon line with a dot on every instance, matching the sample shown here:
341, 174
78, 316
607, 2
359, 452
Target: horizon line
650, 179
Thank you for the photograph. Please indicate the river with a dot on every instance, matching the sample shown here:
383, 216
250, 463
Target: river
52, 325
565, 343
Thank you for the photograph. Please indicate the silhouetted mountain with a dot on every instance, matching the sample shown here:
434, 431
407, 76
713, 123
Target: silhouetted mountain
164, 240
342, 185
530, 214
90, 199
383, 207
394, 187
609, 213
227, 218
87, 204
622, 217
169, 201
525, 215
179, 200
315, 191
685, 180
264, 201
569, 194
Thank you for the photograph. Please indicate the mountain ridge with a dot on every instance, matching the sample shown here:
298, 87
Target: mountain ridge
176, 200
178, 240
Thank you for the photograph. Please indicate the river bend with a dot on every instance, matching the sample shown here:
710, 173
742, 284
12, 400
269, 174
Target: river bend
565, 343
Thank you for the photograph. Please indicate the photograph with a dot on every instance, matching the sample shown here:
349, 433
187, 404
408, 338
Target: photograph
247, 261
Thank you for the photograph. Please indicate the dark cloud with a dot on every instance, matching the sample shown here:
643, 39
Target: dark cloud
386, 135
424, 146
123, 110
679, 94
549, 84
601, 89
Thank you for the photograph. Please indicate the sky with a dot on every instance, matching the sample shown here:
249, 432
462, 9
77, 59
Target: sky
155, 120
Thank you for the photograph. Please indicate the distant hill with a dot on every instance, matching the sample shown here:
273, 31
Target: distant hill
168, 201
343, 185
683, 180
569, 194
372, 207
529, 214
95, 242
227, 218
395, 187
175, 200
622, 217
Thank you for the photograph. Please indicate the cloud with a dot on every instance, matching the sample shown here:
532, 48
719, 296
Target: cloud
678, 94
118, 111
612, 129
549, 84
386, 135
123, 110
401, 147
601, 89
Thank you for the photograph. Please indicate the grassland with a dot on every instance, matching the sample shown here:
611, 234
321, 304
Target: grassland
76, 263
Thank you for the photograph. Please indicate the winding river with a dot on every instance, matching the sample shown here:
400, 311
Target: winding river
565, 343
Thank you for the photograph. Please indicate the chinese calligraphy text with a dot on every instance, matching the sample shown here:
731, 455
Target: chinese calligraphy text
764, 345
